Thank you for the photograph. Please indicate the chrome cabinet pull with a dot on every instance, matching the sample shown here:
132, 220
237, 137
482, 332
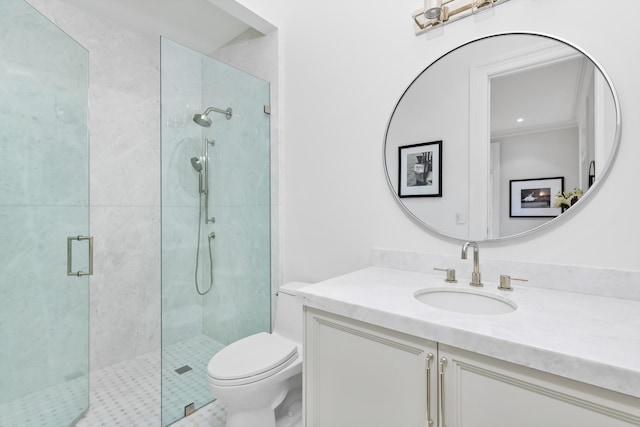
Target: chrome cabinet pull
443, 362
70, 256
428, 420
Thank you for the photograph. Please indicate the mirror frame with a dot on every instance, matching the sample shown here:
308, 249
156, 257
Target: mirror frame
567, 214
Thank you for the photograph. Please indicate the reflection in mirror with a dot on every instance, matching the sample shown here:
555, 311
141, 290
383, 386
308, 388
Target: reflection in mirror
507, 108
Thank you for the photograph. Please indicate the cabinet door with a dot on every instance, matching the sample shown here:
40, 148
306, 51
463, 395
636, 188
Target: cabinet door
360, 375
483, 392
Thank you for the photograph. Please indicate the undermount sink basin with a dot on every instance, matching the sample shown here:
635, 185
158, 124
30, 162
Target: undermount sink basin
465, 301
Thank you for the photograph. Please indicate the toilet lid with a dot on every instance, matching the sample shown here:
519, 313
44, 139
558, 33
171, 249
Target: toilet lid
252, 356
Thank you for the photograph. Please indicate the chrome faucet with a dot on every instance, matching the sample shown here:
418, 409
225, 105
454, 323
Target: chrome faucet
475, 276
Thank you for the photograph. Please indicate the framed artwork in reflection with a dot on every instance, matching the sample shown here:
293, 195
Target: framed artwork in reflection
420, 170
533, 198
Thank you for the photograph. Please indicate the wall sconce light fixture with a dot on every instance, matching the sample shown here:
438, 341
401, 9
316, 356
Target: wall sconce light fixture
432, 9
440, 12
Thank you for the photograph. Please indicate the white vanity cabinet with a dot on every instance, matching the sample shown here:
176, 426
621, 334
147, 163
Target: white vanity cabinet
357, 374
480, 391
360, 375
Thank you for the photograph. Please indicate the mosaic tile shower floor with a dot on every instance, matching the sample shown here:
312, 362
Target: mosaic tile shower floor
128, 394
52, 407
190, 386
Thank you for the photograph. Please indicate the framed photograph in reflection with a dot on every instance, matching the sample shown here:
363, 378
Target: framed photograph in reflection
533, 198
420, 170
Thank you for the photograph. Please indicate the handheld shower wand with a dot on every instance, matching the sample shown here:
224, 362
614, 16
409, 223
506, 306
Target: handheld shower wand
196, 162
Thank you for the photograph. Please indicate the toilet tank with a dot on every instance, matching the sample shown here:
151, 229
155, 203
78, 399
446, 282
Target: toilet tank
288, 321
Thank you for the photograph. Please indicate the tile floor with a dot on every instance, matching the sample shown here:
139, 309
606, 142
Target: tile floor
190, 386
128, 394
52, 407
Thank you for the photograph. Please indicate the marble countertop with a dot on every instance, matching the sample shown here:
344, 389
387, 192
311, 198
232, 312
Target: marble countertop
587, 338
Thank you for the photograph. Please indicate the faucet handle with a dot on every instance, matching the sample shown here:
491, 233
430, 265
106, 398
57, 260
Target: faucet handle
505, 282
451, 274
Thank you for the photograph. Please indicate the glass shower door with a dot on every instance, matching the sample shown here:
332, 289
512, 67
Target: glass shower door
44, 208
215, 220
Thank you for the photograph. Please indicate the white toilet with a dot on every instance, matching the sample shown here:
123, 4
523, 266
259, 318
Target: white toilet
252, 376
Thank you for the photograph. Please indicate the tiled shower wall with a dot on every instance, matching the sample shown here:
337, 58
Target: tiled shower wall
240, 182
124, 83
124, 127
43, 199
258, 55
181, 140
239, 199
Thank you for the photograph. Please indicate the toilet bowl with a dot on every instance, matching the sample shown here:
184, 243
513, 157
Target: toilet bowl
252, 376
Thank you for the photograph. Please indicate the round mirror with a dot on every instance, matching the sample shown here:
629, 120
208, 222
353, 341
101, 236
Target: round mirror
502, 136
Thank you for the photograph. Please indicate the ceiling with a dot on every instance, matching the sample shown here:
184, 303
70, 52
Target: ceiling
543, 97
197, 24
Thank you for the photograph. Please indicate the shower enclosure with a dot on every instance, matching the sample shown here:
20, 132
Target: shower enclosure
44, 221
216, 285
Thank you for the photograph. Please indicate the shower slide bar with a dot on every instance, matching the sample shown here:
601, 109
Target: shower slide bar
207, 219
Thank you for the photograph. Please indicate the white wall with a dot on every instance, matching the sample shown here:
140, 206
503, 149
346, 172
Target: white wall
420, 117
535, 155
345, 64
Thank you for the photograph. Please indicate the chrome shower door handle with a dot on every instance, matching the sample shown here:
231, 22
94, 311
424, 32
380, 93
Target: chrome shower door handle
70, 256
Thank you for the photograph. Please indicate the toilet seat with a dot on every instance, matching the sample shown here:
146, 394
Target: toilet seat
251, 359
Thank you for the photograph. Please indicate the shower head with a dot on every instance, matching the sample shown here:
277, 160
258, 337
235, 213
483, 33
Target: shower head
202, 120
196, 162
205, 121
